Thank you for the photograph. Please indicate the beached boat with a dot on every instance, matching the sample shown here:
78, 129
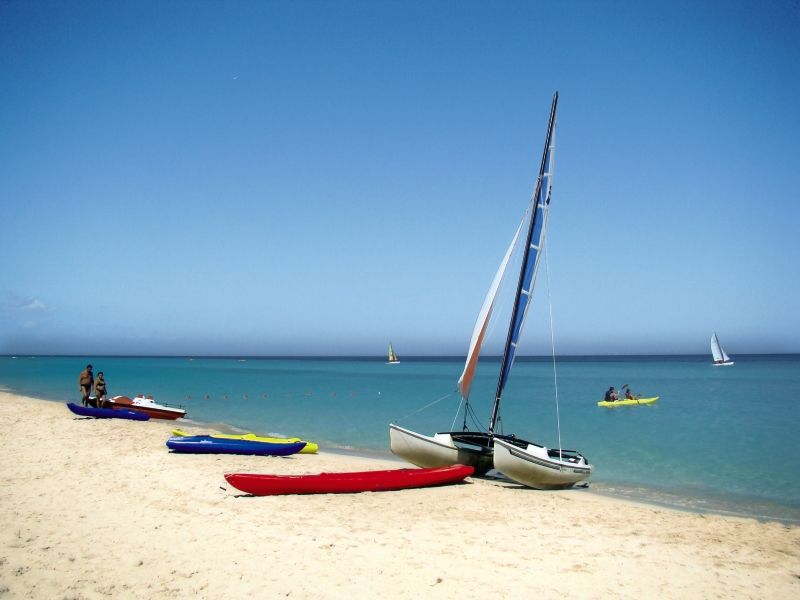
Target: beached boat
346, 483
627, 402
145, 404
391, 358
107, 413
720, 358
204, 444
526, 462
309, 448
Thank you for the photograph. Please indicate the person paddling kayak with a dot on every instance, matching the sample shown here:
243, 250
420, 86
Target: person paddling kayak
611, 395
629, 395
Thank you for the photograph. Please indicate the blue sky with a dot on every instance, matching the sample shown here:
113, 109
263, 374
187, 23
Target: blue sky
322, 177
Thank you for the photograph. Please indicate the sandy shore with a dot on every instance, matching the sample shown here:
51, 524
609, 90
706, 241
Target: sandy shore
93, 508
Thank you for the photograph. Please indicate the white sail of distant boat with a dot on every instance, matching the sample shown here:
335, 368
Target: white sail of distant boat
720, 358
391, 356
525, 462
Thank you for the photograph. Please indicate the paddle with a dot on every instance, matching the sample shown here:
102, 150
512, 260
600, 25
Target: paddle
628, 385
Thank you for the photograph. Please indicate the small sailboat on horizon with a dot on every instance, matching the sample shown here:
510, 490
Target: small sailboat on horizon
720, 358
525, 462
391, 356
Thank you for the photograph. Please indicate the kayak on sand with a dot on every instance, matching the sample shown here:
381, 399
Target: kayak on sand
309, 448
107, 413
343, 483
203, 444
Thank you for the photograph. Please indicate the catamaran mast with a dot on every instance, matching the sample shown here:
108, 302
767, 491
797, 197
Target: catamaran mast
518, 313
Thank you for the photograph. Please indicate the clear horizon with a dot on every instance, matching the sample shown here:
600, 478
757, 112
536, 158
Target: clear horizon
320, 179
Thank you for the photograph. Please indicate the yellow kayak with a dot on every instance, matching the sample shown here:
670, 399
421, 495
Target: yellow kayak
310, 447
628, 402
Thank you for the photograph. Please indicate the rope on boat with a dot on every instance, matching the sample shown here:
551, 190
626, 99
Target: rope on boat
455, 416
552, 343
419, 410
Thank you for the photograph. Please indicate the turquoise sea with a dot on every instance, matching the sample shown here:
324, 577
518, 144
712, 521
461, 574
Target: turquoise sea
719, 439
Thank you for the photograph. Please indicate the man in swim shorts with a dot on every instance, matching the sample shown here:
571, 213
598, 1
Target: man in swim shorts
85, 383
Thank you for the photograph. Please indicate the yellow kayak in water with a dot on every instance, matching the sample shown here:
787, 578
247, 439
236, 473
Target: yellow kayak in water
625, 402
310, 447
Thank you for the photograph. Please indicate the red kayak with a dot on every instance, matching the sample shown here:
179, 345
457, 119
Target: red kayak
344, 483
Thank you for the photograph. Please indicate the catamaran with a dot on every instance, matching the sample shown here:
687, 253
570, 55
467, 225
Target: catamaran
525, 462
392, 357
720, 358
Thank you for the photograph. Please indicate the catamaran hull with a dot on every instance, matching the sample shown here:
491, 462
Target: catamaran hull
534, 468
437, 451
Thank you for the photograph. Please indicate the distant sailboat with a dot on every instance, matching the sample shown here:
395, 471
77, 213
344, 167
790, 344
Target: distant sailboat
392, 357
720, 358
525, 462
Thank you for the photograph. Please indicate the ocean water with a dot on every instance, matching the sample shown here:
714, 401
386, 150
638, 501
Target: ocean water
719, 439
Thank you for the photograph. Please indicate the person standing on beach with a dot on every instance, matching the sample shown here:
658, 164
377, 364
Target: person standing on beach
100, 390
85, 383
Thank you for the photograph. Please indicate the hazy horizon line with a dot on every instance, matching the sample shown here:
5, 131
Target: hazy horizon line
382, 358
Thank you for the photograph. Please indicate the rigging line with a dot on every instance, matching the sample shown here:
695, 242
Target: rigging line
411, 414
458, 410
552, 341
476, 424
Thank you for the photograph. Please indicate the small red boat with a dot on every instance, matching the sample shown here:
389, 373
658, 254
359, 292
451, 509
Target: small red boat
146, 405
345, 483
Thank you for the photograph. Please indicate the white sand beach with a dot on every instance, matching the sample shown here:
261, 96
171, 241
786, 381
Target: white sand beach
100, 508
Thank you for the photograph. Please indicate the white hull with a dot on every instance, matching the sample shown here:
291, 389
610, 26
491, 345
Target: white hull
726, 363
534, 467
436, 451
147, 405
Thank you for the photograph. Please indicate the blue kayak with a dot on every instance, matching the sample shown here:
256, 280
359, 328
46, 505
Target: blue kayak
107, 413
205, 444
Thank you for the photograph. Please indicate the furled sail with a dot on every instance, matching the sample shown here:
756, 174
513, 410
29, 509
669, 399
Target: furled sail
481, 324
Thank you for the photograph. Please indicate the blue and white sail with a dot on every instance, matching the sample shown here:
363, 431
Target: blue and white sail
537, 226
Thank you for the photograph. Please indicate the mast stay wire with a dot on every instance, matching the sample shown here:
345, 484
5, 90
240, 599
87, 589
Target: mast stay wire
552, 341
